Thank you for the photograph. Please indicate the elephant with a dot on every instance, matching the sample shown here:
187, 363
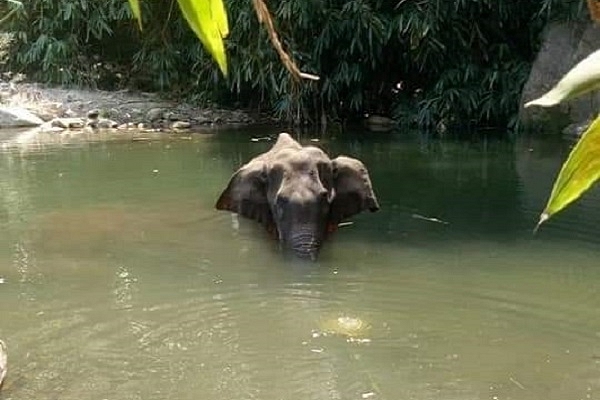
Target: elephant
299, 194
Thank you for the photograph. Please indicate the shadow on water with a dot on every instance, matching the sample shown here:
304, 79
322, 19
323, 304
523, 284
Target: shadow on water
118, 276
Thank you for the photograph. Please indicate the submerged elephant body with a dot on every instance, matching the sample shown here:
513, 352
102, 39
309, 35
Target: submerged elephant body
299, 193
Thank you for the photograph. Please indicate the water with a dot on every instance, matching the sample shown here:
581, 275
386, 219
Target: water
118, 279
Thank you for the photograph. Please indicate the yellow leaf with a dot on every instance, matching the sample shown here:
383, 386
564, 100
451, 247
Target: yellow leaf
137, 12
584, 77
208, 20
577, 174
220, 16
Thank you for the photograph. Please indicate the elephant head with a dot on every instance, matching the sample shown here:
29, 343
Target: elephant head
299, 193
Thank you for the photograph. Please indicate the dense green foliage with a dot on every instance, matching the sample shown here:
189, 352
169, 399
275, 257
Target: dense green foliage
427, 62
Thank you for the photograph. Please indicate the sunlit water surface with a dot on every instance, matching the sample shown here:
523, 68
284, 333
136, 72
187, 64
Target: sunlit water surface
118, 279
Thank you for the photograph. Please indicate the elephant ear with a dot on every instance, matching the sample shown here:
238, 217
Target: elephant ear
246, 194
353, 189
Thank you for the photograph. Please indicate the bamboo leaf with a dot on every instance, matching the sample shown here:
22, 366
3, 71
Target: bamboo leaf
208, 20
577, 174
137, 12
584, 77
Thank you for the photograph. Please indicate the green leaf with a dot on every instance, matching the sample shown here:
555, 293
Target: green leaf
583, 78
577, 174
137, 12
208, 20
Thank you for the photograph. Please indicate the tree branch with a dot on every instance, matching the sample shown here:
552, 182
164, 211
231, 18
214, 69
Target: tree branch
264, 17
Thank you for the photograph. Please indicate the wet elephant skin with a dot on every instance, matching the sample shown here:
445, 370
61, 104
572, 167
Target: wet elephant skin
299, 194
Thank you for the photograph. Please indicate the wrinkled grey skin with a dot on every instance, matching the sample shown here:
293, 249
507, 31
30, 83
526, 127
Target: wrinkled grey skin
299, 193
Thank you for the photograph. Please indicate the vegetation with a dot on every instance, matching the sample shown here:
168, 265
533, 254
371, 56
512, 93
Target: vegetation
582, 168
207, 19
430, 63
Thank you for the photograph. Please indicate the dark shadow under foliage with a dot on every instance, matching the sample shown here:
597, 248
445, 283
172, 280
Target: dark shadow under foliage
427, 63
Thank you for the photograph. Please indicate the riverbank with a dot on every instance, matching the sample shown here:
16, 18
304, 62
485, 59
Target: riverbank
56, 109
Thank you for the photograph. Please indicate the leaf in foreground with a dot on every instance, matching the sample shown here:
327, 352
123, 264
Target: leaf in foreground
3, 361
208, 20
137, 12
577, 174
584, 77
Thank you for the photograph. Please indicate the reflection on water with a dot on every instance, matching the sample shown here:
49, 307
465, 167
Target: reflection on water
119, 280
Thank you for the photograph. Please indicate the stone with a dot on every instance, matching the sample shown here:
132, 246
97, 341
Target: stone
101, 123
238, 116
202, 120
564, 44
8, 88
48, 128
175, 117
75, 108
181, 125
584, 108
378, 123
154, 114
93, 114
69, 113
67, 123
576, 129
51, 111
16, 117
105, 123
47, 114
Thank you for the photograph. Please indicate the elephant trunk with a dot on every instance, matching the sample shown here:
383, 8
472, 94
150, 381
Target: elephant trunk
305, 243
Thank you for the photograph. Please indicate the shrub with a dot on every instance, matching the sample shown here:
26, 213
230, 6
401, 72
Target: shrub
429, 63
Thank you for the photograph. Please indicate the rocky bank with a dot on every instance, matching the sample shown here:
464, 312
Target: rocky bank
564, 44
55, 109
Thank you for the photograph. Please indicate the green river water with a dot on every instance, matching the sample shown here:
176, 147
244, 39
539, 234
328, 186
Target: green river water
119, 280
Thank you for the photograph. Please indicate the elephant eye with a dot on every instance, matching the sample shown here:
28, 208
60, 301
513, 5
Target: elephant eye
282, 203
